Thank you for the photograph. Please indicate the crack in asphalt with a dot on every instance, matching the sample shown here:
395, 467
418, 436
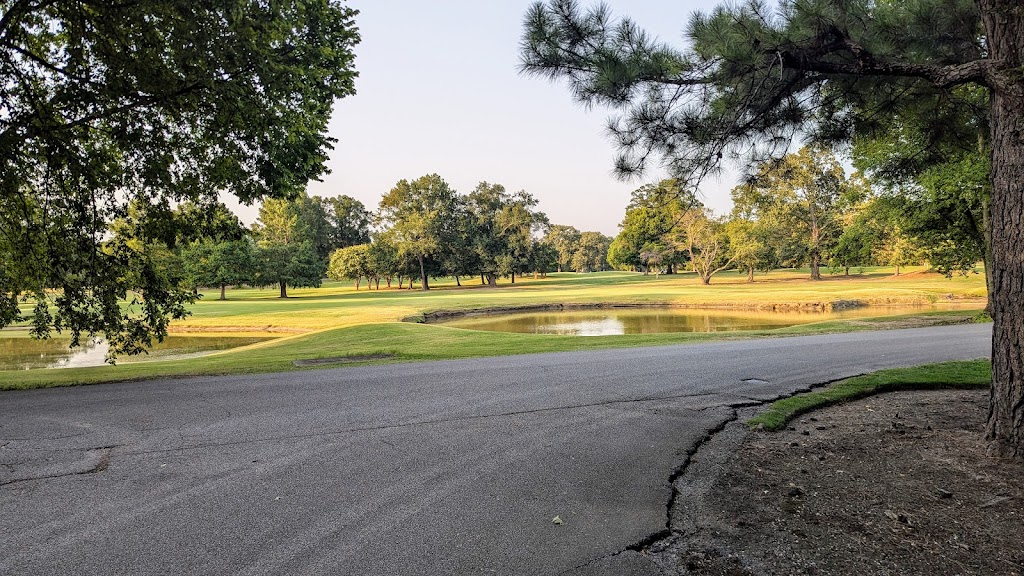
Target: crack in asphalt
667, 533
660, 541
742, 401
101, 466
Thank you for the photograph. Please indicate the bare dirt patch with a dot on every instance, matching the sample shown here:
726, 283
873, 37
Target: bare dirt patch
893, 484
340, 360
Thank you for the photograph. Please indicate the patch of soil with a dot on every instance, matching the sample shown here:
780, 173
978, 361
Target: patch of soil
915, 322
241, 329
893, 484
340, 360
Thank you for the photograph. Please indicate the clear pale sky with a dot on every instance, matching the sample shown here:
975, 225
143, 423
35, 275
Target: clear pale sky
439, 91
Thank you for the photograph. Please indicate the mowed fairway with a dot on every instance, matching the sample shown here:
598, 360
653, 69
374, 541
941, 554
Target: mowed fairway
337, 321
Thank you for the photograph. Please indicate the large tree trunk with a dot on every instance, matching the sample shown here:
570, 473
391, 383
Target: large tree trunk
492, 279
423, 276
284, 290
513, 277
750, 273
457, 283
816, 243
223, 288
815, 265
1004, 25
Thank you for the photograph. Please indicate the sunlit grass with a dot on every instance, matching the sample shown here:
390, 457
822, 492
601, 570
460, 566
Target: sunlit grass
339, 304
969, 374
337, 321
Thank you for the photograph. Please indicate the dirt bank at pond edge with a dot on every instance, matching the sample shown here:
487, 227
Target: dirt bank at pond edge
893, 484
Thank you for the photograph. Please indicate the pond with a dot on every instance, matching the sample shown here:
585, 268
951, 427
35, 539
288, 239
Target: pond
616, 321
20, 352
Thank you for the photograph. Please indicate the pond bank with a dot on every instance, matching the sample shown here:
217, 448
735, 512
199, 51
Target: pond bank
440, 316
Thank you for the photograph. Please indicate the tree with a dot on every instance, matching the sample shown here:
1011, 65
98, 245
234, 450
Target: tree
543, 258
877, 235
653, 211
705, 241
747, 246
105, 103
755, 74
313, 225
516, 224
483, 206
944, 204
348, 219
806, 193
421, 214
283, 255
564, 240
501, 229
296, 265
351, 263
591, 254
194, 222
220, 264
382, 259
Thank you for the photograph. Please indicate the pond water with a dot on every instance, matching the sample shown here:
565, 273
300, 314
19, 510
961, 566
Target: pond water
20, 352
615, 321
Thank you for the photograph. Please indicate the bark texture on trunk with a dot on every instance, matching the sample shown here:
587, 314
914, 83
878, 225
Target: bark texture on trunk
423, 276
750, 273
1004, 24
223, 289
284, 290
815, 265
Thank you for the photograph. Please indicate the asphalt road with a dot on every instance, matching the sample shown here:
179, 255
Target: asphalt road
454, 467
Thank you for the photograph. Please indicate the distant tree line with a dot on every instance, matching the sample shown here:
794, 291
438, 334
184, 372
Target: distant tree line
425, 229
803, 210
289, 245
422, 229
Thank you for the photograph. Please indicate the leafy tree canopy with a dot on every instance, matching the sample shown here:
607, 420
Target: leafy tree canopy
160, 102
755, 75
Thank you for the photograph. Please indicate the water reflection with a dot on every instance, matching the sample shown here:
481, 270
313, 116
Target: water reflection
19, 352
609, 322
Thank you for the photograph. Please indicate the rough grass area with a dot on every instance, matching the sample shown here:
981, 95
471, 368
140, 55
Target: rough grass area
967, 374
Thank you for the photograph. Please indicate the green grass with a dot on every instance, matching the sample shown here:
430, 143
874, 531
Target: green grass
337, 305
338, 321
967, 374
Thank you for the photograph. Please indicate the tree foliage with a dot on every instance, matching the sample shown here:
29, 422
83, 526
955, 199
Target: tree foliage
654, 211
422, 215
756, 74
351, 263
107, 103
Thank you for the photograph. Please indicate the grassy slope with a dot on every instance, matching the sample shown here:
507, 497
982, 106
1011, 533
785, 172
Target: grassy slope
338, 305
969, 374
357, 323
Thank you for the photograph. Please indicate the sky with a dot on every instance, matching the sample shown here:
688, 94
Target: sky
439, 91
